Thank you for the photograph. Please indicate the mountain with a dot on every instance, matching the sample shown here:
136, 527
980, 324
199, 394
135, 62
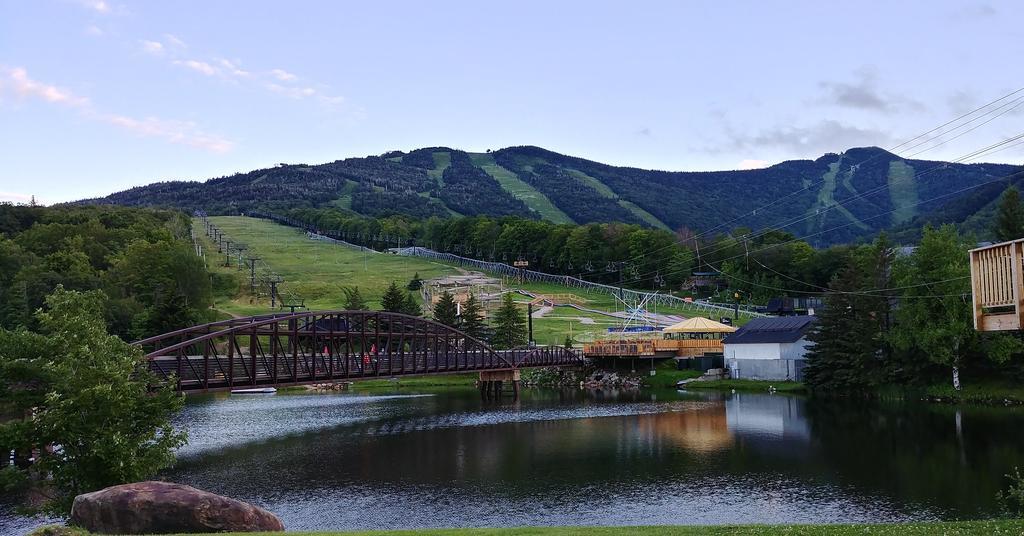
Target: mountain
878, 190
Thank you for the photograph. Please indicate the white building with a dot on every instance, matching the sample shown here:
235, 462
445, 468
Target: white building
769, 348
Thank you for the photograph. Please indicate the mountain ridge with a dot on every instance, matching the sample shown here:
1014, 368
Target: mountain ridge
836, 197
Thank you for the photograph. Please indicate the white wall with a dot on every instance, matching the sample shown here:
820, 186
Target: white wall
796, 350
768, 350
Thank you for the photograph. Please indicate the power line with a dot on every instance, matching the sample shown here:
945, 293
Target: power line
1018, 101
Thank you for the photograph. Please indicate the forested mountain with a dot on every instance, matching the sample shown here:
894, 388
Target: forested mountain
835, 198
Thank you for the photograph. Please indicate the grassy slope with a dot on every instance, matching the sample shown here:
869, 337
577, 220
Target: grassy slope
607, 192
957, 528
316, 270
519, 189
442, 159
902, 191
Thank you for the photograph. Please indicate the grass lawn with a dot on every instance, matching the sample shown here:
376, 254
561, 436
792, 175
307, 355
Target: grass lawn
986, 392
438, 380
957, 528
313, 270
749, 385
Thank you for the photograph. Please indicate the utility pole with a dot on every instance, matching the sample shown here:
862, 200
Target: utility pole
274, 281
529, 323
252, 274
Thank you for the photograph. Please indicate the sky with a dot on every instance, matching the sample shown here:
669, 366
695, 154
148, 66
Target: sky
97, 96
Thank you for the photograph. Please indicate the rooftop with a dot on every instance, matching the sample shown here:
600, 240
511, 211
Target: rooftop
777, 329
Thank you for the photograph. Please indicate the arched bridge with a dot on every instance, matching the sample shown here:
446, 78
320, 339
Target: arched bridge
319, 347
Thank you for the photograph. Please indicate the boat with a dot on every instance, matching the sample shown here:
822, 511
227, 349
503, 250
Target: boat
254, 391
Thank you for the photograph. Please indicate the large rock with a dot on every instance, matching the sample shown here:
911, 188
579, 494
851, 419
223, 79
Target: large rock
165, 507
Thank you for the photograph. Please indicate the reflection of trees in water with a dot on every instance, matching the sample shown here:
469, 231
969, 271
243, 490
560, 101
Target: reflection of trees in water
914, 451
910, 454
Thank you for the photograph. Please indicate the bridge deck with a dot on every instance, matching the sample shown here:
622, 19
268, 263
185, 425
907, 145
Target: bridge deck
320, 347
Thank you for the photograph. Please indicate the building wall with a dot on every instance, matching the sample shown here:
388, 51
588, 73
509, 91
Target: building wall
766, 369
764, 351
767, 361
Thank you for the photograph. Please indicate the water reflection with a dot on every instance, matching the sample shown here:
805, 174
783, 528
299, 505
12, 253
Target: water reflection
445, 458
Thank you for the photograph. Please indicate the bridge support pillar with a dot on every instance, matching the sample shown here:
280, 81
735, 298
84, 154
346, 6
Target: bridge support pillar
492, 383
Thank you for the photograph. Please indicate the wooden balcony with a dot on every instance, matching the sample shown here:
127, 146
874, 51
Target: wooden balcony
996, 280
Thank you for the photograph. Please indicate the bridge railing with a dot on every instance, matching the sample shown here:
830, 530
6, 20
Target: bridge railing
311, 347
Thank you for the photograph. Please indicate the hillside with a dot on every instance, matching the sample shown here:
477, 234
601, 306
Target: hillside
878, 190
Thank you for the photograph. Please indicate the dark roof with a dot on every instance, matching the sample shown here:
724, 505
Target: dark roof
771, 329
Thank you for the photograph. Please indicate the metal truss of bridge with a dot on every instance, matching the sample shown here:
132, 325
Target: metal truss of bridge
328, 346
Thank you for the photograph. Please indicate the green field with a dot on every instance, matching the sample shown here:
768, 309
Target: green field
316, 271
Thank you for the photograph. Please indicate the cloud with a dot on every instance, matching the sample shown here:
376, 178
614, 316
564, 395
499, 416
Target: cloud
99, 6
233, 69
198, 66
277, 81
752, 164
94, 31
174, 41
974, 12
863, 94
23, 86
18, 82
282, 75
645, 131
824, 136
181, 132
152, 47
290, 91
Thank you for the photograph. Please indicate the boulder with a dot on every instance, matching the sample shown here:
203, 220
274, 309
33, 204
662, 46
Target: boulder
166, 507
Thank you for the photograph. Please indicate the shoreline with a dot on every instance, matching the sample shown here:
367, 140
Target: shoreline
949, 528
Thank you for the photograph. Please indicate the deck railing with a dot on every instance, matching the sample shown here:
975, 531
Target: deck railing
997, 279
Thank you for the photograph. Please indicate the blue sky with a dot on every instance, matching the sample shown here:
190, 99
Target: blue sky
100, 95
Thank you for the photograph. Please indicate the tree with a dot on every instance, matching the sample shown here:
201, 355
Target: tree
354, 300
1009, 224
446, 311
105, 410
394, 299
934, 316
844, 356
415, 283
509, 325
411, 305
472, 318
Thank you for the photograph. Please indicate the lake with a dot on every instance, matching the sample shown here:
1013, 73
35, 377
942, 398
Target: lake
445, 458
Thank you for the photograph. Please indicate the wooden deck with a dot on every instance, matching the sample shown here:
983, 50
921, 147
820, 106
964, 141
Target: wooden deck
997, 279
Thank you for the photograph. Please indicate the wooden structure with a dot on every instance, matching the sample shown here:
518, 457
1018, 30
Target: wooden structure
316, 347
695, 337
692, 337
996, 286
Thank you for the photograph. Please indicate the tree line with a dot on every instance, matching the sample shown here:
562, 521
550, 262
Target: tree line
908, 319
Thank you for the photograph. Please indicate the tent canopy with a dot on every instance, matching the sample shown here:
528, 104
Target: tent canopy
699, 324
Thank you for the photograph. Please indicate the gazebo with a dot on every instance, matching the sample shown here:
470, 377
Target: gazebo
694, 337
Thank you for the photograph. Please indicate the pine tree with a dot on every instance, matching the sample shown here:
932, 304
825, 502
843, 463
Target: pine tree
354, 300
1009, 224
472, 318
841, 358
411, 305
849, 337
415, 283
394, 299
445, 310
509, 325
